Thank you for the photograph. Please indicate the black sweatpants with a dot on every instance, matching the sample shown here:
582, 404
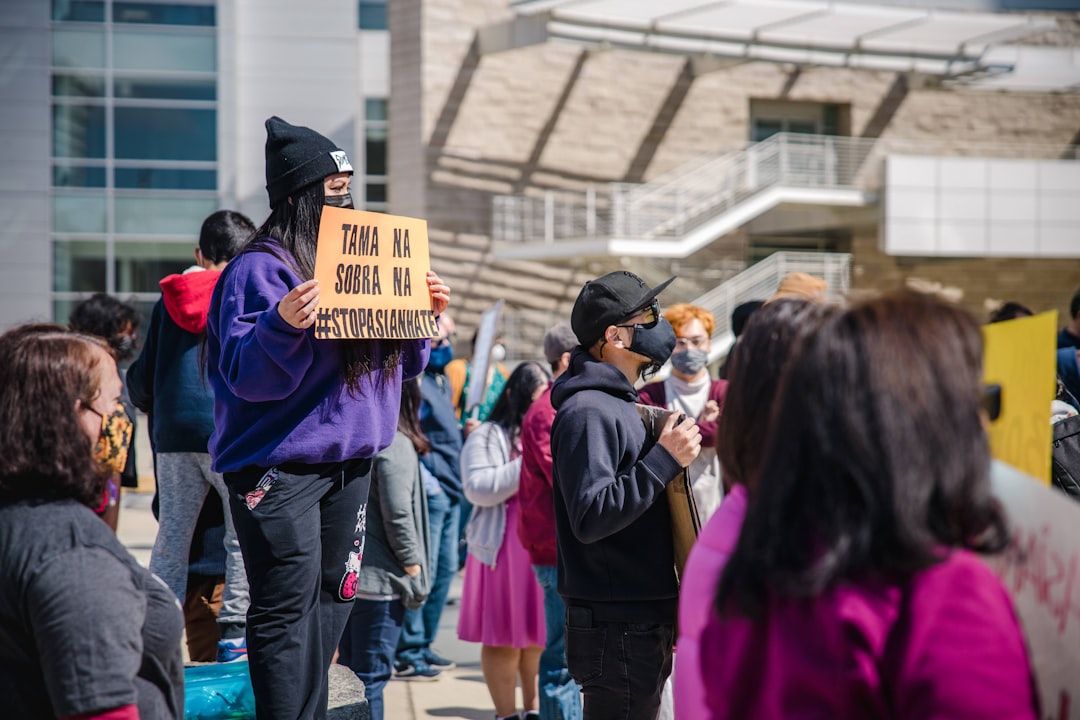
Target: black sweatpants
301, 530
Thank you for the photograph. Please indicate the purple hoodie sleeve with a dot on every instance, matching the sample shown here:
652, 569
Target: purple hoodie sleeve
262, 356
414, 357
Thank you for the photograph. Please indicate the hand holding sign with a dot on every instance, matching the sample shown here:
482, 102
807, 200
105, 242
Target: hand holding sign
439, 291
681, 438
298, 307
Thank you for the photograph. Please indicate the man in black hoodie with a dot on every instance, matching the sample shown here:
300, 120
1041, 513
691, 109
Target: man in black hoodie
616, 568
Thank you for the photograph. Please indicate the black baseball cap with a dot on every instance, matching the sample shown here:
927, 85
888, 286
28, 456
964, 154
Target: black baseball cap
607, 300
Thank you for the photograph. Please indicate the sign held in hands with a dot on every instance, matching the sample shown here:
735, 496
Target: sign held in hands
372, 273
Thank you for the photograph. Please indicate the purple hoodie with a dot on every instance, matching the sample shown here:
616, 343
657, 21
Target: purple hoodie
279, 394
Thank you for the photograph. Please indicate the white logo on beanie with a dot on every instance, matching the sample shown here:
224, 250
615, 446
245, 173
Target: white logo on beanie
342, 161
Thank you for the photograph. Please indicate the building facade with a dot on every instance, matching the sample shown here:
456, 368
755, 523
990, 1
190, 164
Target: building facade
533, 127
124, 124
545, 145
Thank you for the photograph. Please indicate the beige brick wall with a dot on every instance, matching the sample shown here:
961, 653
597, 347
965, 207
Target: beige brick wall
558, 116
980, 284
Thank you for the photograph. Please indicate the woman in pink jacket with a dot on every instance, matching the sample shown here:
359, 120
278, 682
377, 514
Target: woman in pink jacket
852, 590
754, 371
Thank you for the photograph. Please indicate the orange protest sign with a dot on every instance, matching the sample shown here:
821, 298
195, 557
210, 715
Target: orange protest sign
372, 273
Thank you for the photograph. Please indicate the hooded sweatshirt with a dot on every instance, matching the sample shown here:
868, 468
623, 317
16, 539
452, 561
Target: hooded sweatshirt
167, 380
611, 513
280, 395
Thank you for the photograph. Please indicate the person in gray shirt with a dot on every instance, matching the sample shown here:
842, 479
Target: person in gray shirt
84, 630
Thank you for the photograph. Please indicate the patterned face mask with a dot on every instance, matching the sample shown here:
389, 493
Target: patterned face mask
113, 441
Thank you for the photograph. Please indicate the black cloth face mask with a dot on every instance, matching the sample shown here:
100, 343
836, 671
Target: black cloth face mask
656, 343
340, 201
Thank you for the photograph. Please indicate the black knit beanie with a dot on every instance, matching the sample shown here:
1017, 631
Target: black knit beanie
297, 156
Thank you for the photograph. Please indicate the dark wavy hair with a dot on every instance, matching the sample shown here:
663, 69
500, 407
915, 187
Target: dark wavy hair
516, 397
295, 226
755, 366
877, 458
409, 417
1010, 311
106, 317
44, 451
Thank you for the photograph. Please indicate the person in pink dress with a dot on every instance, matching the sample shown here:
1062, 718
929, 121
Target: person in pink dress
502, 604
853, 589
754, 369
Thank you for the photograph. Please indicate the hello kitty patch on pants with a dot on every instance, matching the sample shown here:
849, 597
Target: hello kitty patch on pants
253, 498
350, 581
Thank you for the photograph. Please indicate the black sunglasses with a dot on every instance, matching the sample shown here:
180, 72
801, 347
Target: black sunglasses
651, 312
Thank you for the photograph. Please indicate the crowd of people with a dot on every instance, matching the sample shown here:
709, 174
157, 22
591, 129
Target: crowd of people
316, 498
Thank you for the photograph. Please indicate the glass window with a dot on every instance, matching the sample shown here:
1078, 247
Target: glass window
65, 175
166, 88
375, 151
78, 131
375, 109
165, 179
78, 86
83, 48
78, 266
375, 192
373, 15
79, 213
137, 214
171, 14
142, 50
165, 134
78, 11
141, 265
764, 129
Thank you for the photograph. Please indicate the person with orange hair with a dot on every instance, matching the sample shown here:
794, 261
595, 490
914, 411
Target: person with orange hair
689, 390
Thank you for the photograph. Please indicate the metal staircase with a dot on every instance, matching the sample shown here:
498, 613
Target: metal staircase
681, 212
759, 282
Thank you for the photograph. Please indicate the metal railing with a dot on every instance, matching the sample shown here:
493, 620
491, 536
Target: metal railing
523, 328
759, 282
673, 205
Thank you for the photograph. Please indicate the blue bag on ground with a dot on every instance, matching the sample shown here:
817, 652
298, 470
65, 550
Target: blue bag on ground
218, 691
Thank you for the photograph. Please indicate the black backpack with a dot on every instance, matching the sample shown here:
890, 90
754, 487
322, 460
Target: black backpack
1066, 456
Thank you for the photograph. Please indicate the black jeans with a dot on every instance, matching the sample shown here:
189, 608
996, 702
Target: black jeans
301, 530
621, 667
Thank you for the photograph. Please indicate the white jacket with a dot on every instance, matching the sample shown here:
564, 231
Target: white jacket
489, 479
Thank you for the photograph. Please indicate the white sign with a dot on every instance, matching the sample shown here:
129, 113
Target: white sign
1041, 570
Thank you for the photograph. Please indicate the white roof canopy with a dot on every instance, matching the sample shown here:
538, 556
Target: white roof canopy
815, 32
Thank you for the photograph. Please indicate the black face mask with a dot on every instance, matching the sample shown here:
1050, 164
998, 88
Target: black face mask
655, 343
340, 201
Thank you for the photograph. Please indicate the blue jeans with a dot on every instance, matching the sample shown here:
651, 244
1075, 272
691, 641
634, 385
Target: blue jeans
421, 625
560, 696
368, 645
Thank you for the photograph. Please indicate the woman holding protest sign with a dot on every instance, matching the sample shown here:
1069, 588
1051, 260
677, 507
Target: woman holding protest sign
297, 421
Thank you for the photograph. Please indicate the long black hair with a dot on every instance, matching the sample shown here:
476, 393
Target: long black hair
409, 417
295, 227
517, 396
877, 458
755, 367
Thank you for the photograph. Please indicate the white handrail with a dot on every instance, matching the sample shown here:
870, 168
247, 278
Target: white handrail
676, 203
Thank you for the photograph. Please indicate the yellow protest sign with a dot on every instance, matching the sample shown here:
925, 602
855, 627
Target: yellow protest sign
372, 273
1019, 356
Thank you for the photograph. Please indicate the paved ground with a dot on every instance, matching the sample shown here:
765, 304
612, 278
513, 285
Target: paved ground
457, 693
